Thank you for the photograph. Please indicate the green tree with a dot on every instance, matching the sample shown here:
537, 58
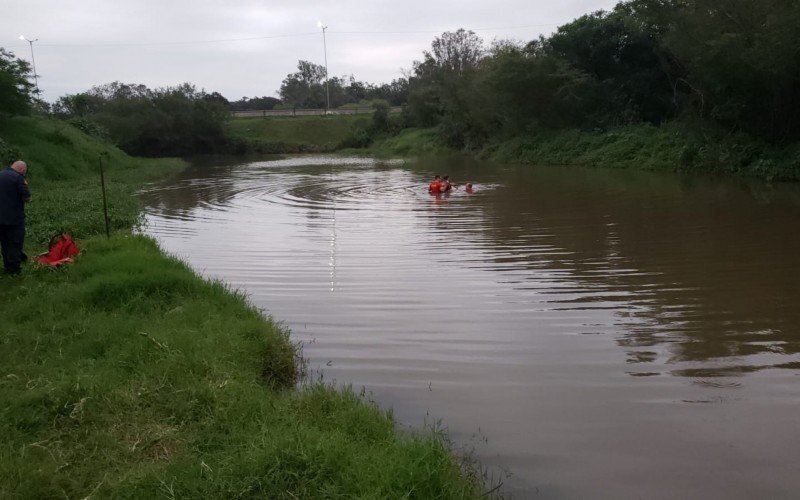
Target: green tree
395, 92
440, 82
531, 88
305, 87
621, 50
456, 52
15, 89
170, 121
741, 62
254, 103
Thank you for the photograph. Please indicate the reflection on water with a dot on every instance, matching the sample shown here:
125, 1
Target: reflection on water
592, 333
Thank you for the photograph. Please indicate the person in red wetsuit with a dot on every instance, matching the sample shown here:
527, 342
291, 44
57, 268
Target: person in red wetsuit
435, 187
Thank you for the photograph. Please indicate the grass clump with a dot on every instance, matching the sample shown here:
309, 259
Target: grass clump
126, 375
409, 142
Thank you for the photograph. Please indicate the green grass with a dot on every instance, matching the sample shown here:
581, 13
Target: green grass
671, 147
126, 375
294, 134
409, 142
64, 179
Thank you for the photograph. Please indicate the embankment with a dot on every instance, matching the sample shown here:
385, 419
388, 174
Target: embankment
125, 374
291, 134
672, 147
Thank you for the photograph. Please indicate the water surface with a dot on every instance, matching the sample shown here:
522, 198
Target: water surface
589, 333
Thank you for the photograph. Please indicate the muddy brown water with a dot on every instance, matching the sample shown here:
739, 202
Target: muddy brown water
588, 333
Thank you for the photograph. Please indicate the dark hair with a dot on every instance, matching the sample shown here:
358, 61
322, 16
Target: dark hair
437, 176
446, 177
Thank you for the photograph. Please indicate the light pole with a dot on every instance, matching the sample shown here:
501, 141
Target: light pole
325, 48
33, 60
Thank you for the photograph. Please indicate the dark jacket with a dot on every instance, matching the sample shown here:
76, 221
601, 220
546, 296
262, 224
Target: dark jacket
13, 195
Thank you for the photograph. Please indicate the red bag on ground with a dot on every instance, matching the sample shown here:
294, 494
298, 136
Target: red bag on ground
62, 250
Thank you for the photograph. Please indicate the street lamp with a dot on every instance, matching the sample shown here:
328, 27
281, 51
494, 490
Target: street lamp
33, 60
325, 47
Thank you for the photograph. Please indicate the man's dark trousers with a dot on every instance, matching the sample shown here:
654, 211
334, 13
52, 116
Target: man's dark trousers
11, 239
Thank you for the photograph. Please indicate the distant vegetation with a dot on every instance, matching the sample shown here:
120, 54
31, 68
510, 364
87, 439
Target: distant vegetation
726, 71
306, 88
724, 76
171, 121
254, 103
733, 64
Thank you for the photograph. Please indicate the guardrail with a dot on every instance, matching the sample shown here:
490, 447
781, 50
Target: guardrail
309, 112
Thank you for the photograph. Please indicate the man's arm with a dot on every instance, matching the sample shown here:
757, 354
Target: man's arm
23, 190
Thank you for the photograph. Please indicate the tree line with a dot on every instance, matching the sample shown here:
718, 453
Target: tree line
180, 120
169, 121
307, 88
730, 63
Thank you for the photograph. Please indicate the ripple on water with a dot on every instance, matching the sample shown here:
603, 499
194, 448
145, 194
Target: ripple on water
548, 307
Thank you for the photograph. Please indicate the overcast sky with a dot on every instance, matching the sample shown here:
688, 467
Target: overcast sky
246, 47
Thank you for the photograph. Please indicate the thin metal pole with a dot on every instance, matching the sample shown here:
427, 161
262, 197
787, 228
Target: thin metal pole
33, 60
327, 91
105, 203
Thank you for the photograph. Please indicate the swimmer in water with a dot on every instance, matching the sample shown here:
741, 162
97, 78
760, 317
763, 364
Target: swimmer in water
435, 187
468, 188
446, 186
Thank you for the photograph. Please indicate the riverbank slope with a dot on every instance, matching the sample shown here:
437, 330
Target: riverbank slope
292, 134
676, 146
125, 374
670, 148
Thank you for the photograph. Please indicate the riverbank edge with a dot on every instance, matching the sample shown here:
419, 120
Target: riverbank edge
291, 134
127, 374
669, 148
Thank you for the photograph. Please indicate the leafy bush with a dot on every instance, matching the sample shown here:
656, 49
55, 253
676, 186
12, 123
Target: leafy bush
8, 153
90, 127
170, 121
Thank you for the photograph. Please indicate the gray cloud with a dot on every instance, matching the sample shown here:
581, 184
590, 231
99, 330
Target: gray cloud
167, 42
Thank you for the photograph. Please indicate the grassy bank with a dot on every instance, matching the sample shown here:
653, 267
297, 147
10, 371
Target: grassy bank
410, 141
64, 177
125, 374
670, 147
298, 134
673, 147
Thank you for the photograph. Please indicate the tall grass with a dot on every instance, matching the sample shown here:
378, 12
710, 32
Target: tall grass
126, 375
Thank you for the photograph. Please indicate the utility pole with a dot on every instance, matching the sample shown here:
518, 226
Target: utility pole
33, 62
325, 48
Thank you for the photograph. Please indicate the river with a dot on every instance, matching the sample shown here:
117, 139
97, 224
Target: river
586, 333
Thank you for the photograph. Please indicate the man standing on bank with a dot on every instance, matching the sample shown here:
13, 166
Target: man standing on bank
14, 194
